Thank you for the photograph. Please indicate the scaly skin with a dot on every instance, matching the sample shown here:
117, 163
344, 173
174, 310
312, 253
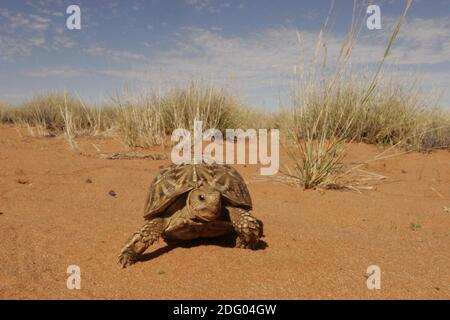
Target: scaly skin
141, 240
248, 228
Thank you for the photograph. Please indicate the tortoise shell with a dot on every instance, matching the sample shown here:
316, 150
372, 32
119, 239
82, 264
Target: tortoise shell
176, 180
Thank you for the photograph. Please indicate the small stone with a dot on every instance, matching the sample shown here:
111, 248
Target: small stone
21, 181
88, 181
112, 193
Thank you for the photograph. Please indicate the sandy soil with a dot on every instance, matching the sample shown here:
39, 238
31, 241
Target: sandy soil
319, 244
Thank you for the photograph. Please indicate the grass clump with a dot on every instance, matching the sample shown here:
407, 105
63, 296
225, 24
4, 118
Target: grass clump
215, 107
7, 113
150, 119
140, 123
56, 113
333, 106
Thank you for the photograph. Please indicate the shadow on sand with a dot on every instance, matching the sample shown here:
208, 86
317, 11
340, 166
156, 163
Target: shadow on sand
228, 241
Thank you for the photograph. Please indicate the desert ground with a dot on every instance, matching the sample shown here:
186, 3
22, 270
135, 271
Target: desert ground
56, 210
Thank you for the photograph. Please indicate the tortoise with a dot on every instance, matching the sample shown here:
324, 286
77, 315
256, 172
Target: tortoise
190, 201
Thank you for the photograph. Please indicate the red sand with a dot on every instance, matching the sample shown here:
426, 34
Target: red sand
319, 244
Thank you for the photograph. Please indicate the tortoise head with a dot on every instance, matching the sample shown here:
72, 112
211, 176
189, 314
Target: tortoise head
204, 203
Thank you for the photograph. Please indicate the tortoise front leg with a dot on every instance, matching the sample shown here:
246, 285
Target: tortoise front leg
248, 228
141, 240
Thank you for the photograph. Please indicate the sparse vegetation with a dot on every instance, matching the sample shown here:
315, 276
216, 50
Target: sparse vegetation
148, 120
55, 113
140, 122
330, 108
392, 116
332, 105
414, 226
7, 113
322, 121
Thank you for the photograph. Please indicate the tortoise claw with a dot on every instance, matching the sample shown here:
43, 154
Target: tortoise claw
125, 260
249, 237
243, 243
248, 228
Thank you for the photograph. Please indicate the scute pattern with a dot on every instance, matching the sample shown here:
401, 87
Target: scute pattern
176, 180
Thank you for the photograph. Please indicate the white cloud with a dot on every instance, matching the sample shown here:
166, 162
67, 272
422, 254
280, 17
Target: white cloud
116, 55
420, 42
255, 62
30, 22
62, 40
59, 72
10, 47
207, 5
213, 6
21, 33
265, 59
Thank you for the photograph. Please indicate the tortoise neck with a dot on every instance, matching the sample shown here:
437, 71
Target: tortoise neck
188, 207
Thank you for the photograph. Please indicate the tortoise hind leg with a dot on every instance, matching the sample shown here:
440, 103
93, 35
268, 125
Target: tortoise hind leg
141, 240
248, 228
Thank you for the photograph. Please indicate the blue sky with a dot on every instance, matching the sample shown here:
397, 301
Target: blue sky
249, 47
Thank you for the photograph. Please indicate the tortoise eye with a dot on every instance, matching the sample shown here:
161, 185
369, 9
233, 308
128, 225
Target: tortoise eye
202, 197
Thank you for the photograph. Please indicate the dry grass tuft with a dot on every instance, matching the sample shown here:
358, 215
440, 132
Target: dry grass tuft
333, 106
140, 124
56, 113
148, 120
